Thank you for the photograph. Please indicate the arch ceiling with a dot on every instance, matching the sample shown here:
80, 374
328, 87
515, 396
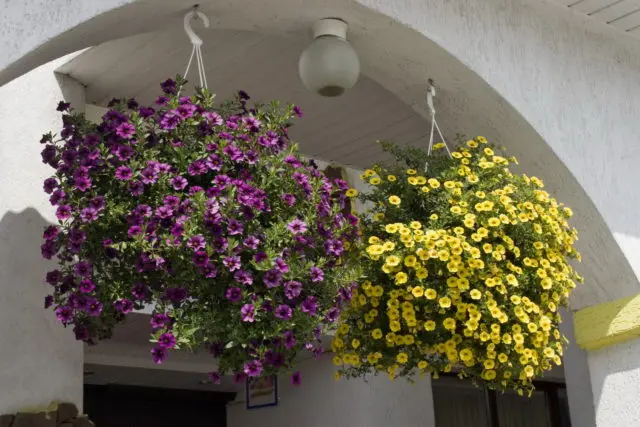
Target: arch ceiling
396, 60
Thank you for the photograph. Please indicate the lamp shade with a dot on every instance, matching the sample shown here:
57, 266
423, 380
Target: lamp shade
330, 65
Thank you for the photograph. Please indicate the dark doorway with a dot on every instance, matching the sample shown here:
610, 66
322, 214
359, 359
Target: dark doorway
131, 406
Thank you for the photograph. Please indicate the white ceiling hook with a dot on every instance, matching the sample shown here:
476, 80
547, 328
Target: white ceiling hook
195, 40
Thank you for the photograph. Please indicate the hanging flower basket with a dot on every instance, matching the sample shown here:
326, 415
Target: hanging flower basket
466, 266
206, 214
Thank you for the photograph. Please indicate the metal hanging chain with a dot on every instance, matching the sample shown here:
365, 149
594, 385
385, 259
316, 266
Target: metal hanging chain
431, 93
196, 42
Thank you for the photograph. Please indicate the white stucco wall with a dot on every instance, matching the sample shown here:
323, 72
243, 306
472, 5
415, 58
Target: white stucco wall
321, 401
615, 375
39, 360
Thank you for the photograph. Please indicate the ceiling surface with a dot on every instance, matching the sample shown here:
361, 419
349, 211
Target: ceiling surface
622, 14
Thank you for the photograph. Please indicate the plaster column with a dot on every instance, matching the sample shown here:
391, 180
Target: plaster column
321, 401
40, 361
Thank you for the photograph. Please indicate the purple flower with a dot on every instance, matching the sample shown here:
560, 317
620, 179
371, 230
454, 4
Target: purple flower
289, 339
50, 184
53, 277
310, 306
297, 111
251, 242
234, 227
281, 265
64, 314
134, 230
260, 257
253, 368
232, 263
196, 242
200, 258
146, 112
248, 313
123, 306
164, 212
198, 167
48, 249
243, 277
123, 173
334, 247
233, 294
97, 203
86, 286
317, 275
63, 106
83, 268
292, 289
215, 377
159, 355
125, 130
333, 315
51, 232
88, 215
169, 86
284, 312
48, 301
272, 278
149, 175
296, 378
159, 320
289, 199
167, 340
94, 308
178, 183
297, 226
136, 188
63, 212
82, 184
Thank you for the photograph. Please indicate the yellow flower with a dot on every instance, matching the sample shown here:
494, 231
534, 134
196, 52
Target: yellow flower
449, 323
391, 178
433, 217
376, 334
466, 354
394, 200
412, 180
392, 260
401, 278
416, 225
528, 370
391, 228
475, 294
417, 291
369, 173
444, 302
493, 222
489, 364
489, 375
352, 192
473, 178
434, 183
472, 144
378, 217
375, 181
456, 210
430, 294
388, 246
337, 360
336, 375
429, 325
488, 151
422, 273
422, 364
411, 172
402, 357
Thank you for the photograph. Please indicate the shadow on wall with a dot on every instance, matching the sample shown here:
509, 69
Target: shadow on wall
40, 361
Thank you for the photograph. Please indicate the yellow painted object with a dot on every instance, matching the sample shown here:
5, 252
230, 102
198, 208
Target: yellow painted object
607, 324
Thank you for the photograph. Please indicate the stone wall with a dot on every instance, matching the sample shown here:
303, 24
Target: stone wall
56, 415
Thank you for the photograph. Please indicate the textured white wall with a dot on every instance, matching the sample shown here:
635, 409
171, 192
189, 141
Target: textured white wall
39, 360
615, 375
321, 401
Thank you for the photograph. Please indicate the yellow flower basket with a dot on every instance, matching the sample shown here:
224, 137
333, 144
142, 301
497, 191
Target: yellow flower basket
466, 267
